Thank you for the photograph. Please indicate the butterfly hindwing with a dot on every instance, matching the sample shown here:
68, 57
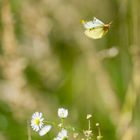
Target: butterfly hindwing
95, 33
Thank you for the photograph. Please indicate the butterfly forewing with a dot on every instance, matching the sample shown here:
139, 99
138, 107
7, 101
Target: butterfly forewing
92, 24
97, 22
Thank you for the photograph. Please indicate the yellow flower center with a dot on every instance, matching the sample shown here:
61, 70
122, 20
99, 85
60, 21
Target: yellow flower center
37, 121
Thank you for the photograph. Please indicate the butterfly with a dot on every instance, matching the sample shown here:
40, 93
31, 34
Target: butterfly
95, 29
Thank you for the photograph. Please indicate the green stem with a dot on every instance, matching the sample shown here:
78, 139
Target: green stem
29, 131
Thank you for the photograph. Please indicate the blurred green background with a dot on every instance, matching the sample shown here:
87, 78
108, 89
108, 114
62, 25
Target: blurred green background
47, 62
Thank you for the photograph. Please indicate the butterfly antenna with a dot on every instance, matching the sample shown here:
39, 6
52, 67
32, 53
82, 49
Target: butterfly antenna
110, 23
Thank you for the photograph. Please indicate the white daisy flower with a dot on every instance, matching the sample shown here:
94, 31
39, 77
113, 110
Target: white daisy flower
37, 121
62, 113
62, 135
89, 116
45, 130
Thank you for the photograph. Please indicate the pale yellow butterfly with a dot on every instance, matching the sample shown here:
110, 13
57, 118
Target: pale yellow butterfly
95, 29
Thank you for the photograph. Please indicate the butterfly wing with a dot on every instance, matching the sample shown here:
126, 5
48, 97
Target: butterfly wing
88, 25
97, 22
92, 24
95, 33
